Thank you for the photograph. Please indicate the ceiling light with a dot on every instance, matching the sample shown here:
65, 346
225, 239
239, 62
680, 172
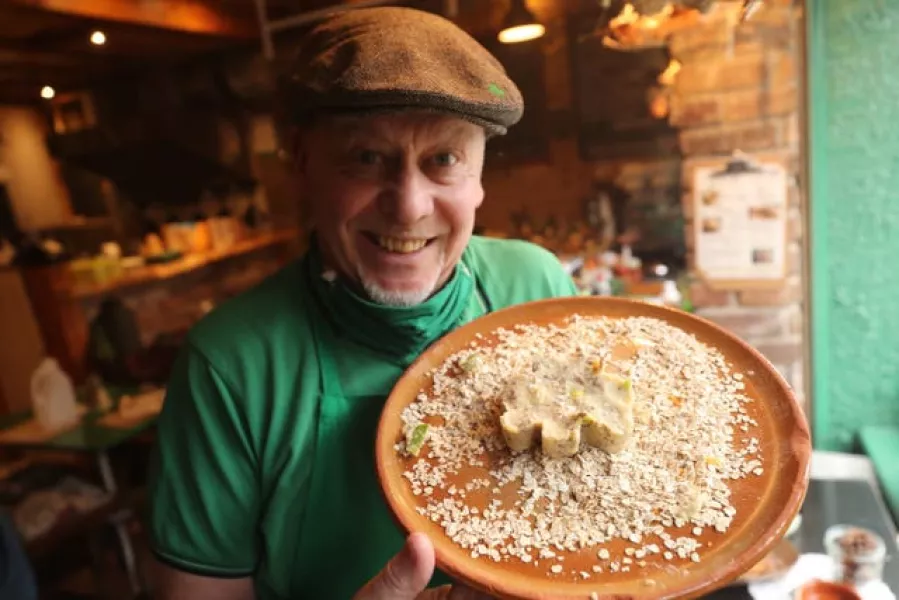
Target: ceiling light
47, 92
520, 25
98, 38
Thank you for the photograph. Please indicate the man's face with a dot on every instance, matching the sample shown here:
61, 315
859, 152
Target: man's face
393, 198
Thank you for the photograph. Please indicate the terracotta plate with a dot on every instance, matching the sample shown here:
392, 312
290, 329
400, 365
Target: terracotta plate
765, 504
776, 563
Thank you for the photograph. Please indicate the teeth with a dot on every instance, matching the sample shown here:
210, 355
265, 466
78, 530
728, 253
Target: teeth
401, 246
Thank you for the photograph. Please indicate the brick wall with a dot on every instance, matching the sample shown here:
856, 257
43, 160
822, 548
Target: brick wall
739, 90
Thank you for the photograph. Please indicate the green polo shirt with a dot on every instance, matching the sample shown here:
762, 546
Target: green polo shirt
259, 473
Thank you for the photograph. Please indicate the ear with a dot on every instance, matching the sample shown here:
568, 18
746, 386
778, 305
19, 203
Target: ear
481, 193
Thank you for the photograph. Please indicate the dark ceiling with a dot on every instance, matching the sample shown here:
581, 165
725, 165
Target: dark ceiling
46, 42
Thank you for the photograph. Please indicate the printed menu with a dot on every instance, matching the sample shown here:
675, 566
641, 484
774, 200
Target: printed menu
740, 222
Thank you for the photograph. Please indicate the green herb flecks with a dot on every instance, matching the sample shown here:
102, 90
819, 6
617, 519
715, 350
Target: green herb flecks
470, 363
416, 439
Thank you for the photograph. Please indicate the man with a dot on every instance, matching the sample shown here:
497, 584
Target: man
265, 486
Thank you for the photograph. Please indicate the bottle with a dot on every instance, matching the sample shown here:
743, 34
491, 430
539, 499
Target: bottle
671, 295
53, 396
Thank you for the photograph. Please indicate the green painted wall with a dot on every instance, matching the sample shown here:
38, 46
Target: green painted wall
854, 203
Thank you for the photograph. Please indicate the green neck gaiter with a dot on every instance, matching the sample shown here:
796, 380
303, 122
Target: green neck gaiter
398, 333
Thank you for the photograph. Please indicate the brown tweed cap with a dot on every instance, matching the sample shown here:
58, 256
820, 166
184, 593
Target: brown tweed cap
391, 58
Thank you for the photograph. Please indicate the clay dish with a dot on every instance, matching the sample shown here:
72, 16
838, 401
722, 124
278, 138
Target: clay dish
765, 504
776, 563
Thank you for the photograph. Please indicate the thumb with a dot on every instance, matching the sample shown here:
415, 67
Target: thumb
406, 575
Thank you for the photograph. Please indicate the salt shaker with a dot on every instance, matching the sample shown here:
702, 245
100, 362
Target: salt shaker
858, 554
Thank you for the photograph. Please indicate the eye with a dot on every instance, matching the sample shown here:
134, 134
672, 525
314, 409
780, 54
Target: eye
445, 159
368, 157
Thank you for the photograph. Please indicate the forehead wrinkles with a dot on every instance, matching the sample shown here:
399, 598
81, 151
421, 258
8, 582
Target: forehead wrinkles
406, 131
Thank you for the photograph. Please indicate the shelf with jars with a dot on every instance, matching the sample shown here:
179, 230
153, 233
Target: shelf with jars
603, 263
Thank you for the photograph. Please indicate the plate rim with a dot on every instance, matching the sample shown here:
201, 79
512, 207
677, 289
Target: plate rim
799, 446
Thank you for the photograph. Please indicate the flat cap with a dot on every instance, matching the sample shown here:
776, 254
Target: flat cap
391, 58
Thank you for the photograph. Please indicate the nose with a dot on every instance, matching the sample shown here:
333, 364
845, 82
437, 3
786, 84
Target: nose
408, 200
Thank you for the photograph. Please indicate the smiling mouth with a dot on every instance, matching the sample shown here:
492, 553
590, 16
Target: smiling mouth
398, 245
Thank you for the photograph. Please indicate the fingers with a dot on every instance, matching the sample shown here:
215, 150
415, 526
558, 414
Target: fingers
460, 592
406, 575
454, 592
438, 593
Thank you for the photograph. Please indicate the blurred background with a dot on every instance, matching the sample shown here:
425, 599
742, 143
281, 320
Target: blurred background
731, 158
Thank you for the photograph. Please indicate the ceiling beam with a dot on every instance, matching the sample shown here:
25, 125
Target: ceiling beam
42, 73
205, 17
15, 55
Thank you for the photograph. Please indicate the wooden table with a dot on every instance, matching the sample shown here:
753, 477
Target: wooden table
91, 437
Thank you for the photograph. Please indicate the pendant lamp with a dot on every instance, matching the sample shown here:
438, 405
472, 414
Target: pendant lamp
520, 25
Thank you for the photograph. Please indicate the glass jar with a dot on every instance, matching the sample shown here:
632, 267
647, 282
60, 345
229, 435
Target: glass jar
858, 554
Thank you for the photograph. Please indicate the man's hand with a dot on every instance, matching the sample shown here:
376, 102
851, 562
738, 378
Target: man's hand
407, 574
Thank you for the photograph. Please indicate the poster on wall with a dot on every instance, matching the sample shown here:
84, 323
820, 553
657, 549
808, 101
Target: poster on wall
740, 223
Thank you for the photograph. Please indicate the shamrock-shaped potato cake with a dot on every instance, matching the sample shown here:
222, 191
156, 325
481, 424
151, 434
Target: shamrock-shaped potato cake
562, 403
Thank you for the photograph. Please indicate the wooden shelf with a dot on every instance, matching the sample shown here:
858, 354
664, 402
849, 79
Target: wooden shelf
191, 262
82, 223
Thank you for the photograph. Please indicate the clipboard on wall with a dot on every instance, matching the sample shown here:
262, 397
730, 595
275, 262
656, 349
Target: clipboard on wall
741, 222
